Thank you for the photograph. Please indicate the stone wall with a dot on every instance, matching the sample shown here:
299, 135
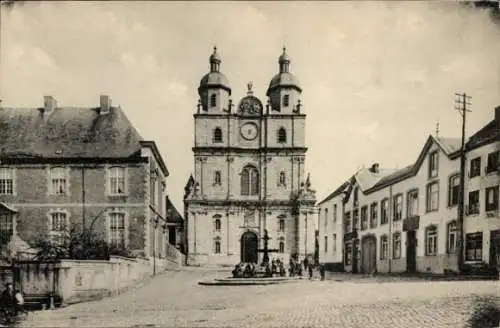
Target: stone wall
86, 280
75, 281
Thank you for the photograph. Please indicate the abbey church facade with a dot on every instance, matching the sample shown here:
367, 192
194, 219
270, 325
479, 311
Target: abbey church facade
249, 174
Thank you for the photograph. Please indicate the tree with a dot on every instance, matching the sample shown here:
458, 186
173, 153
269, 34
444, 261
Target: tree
79, 245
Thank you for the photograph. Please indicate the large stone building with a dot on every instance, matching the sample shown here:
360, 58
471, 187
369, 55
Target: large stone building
65, 167
406, 220
249, 173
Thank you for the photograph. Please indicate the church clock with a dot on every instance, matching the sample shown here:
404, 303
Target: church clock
249, 131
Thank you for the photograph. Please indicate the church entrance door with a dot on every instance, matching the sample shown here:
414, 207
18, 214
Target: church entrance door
249, 247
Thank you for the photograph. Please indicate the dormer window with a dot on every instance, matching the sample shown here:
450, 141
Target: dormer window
217, 136
213, 100
282, 135
286, 100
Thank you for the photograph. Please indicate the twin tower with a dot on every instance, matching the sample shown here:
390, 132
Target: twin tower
249, 173
284, 89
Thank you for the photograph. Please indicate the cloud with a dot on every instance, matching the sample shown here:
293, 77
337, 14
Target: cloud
376, 76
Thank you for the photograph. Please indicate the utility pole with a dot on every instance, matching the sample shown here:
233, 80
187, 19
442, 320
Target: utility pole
462, 103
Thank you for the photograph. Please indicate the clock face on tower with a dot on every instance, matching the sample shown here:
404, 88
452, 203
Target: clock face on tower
249, 131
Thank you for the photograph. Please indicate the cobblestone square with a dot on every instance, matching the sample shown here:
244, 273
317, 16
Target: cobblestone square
174, 299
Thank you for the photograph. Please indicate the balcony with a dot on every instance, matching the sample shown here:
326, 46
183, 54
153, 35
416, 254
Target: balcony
411, 223
493, 214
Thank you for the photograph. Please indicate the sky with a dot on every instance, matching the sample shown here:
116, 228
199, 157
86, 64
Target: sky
376, 76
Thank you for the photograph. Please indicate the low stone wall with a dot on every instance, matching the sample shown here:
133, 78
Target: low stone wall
85, 280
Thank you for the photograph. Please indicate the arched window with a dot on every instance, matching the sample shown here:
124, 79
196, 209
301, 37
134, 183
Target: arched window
217, 137
217, 224
281, 246
217, 245
281, 135
286, 100
213, 100
282, 225
217, 179
249, 181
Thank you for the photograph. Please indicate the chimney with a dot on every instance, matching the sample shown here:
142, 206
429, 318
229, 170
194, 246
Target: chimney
49, 104
374, 168
105, 104
497, 114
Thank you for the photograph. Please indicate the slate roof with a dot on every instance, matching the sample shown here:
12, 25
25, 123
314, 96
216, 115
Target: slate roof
369, 181
67, 132
489, 133
449, 145
335, 193
173, 216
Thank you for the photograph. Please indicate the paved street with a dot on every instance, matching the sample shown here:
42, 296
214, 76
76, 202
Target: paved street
174, 299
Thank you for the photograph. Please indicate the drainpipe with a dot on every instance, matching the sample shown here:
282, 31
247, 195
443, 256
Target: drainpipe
389, 238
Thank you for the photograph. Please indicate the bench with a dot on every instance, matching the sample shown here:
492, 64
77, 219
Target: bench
37, 301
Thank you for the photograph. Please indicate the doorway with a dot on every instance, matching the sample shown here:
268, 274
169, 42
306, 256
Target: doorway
368, 254
411, 251
249, 247
495, 248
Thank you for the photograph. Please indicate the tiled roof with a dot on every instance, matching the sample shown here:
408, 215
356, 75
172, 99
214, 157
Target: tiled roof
489, 133
67, 132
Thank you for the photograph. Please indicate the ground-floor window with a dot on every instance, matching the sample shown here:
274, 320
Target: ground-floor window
431, 241
281, 245
474, 246
396, 245
451, 243
348, 254
217, 245
326, 244
117, 229
6, 227
384, 247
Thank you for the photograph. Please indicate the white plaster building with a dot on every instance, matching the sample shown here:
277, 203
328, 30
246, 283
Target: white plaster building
406, 220
400, 220
482, 219
249, 173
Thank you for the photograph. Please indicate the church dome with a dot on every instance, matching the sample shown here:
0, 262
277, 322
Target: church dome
284, 78
214, 78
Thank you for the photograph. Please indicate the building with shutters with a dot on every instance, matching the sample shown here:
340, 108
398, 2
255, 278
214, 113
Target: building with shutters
249, 173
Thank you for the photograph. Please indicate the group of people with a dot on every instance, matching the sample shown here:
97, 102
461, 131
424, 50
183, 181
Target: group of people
276, 268
244, 270
11, 300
